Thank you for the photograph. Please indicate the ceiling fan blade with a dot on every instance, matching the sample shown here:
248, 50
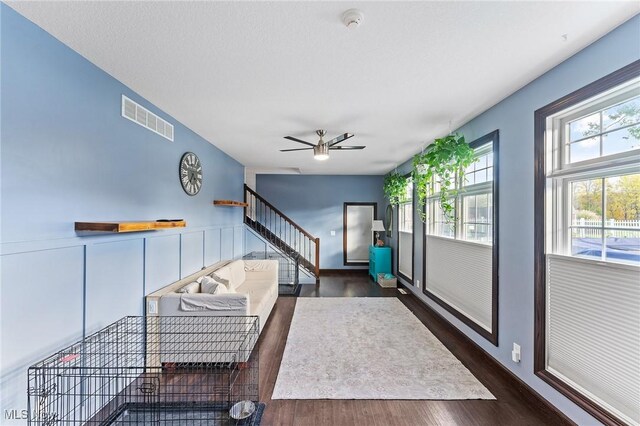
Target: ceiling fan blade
291, 138
295, 149
339, 139
347, 147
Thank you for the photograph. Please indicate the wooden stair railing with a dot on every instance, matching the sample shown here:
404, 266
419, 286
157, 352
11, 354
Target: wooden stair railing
274, 226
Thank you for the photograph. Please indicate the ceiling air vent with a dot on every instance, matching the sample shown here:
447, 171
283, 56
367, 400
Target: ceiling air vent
144, 117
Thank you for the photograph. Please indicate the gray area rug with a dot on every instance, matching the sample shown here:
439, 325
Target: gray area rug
368, 348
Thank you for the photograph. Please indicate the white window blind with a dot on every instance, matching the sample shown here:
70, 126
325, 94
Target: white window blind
405, 253
405, 233
460, 273
593, 331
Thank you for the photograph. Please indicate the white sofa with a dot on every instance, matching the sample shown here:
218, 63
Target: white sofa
253, 286
252, 291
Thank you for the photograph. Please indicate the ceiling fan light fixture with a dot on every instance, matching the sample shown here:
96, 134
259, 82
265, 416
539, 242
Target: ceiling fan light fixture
322, 148
321, 152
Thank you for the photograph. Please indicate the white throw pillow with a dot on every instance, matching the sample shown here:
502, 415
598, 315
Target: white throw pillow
219, 288
193, 287
224, 286
208, 285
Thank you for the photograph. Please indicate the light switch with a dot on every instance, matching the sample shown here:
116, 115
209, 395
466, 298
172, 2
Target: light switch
515, 353
333, 233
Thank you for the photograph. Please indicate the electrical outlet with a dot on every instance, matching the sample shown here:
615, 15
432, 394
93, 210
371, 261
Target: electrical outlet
418, 283
515, 353
152, 307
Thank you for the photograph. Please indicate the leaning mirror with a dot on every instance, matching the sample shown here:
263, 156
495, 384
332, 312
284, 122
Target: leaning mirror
388, 220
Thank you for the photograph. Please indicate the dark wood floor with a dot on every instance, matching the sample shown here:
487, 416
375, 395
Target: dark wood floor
513, 406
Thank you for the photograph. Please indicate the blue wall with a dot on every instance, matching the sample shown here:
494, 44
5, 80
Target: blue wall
316, 203
67, 155
514, 118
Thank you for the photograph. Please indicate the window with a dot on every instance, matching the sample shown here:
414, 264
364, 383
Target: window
437, 224
611, 129
587, 246
605, 218
461, 255
475, 203
596, 178
476, 219
405, 235
482, 170
405, 210
477, 198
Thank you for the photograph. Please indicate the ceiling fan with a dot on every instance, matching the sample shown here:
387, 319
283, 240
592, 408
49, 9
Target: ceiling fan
322, 148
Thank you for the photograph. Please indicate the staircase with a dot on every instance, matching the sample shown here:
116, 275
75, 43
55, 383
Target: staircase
281, 232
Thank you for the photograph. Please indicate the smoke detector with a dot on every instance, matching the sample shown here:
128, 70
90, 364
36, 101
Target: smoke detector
352, 18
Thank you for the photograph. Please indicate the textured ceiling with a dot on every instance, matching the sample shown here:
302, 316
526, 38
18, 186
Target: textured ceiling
245, 74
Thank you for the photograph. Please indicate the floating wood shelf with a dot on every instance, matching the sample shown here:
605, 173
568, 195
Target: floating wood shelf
230, 203
136, 226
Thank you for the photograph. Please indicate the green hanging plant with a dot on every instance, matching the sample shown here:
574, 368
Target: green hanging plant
395, 188
444, 161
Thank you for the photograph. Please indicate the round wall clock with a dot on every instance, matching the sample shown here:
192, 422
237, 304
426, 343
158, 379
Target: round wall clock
190, 173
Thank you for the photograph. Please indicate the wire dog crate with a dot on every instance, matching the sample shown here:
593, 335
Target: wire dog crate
170, 371
288, 270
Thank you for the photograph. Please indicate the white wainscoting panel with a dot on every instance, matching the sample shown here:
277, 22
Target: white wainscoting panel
460, 273
162, 261
191, 253
238, 242
212, 246
226, 243
42, 308
114, 269
593, 331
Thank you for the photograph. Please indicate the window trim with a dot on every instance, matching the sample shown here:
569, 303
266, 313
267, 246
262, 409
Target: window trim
413, 238
491, 336
541, 116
